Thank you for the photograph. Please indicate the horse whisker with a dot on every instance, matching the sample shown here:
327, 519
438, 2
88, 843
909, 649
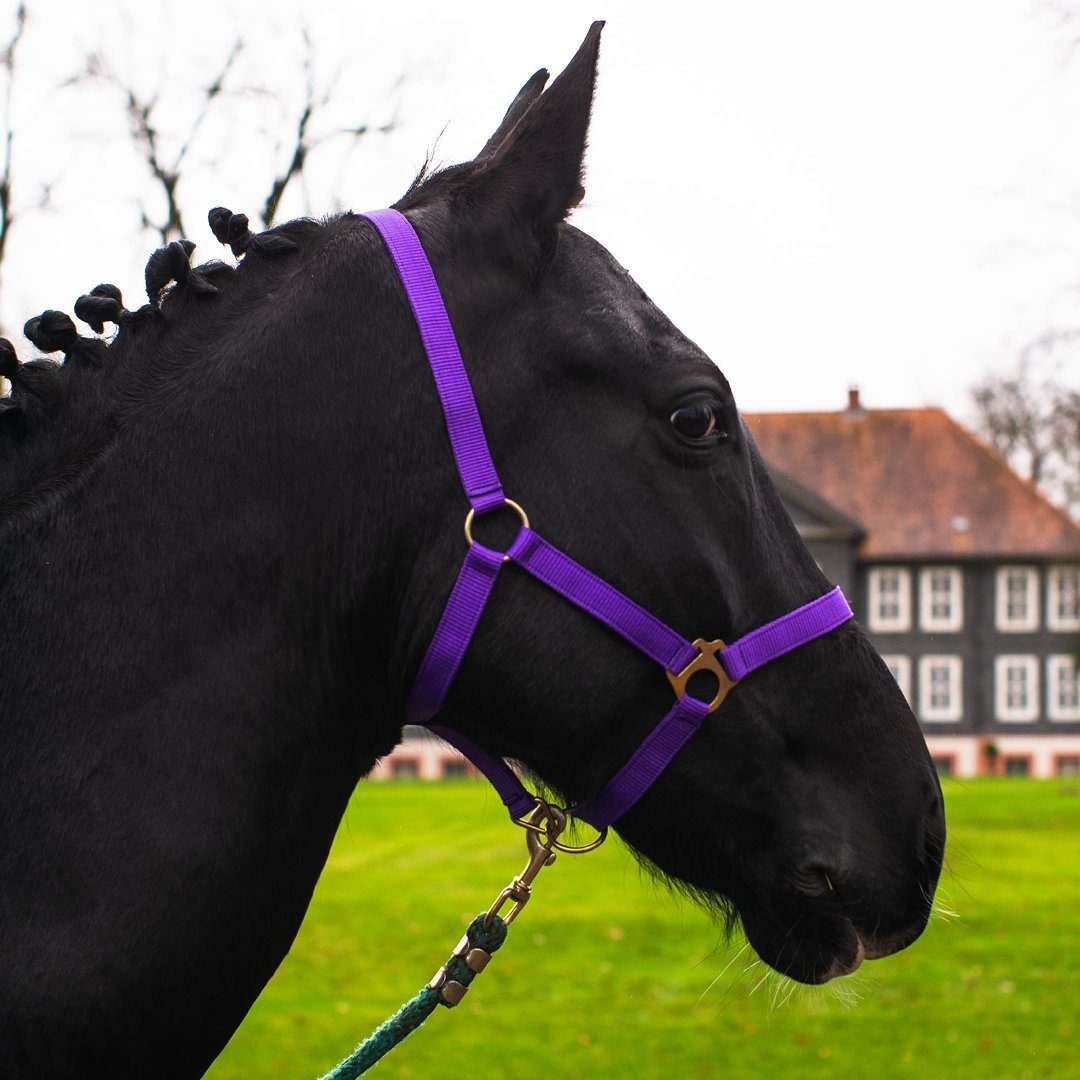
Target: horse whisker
745, 946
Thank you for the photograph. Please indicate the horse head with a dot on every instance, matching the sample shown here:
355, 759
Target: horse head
807, 803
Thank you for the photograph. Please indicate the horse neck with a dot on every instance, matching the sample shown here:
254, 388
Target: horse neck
192, 685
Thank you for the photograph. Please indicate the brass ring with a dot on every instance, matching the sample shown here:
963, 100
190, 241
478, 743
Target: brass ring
569, 849
548, 813
540, 830
471, 515
558, 816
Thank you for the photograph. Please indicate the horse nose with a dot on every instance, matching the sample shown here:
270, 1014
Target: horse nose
879, 882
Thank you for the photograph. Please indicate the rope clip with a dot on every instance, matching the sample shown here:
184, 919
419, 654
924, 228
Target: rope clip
543, 827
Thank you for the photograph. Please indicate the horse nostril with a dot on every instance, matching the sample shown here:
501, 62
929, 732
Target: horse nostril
814, 879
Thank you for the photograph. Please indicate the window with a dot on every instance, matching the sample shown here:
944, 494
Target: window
1063, 598
890, 598
945, 764
1067, 765
900, 666
1017, 604
406, 768
940, 688
1016, 688
455, 770
1062, 688
941, 598
1017, 766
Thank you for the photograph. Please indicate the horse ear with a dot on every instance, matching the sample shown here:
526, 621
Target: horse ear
534, 161
518, 108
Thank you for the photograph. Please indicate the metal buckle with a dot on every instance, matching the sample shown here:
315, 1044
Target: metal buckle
471, 516
707, 659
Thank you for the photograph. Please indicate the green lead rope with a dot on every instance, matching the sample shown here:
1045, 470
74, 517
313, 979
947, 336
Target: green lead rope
448, 987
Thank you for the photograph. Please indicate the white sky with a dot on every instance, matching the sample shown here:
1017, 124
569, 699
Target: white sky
817, 193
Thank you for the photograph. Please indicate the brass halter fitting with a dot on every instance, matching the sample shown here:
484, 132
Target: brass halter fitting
470, 517
543, 827
707, 659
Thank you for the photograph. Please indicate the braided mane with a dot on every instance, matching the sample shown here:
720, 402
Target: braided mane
61, 411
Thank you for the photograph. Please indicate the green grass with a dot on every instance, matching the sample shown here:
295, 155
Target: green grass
605, 975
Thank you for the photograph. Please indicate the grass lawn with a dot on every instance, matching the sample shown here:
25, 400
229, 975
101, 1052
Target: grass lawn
604, 975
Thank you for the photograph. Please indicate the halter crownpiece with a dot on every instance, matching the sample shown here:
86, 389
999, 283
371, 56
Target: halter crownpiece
678, 657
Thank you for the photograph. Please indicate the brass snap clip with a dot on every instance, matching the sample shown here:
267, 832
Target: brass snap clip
707, 659
542, 829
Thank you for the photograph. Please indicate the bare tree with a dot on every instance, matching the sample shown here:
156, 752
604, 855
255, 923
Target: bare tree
303, 142
1029, 412
9, 212
7, 65
147, 137
166, 172
1032, 418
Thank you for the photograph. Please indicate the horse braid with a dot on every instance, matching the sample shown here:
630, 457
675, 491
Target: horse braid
104, 303
230, 229
173, 263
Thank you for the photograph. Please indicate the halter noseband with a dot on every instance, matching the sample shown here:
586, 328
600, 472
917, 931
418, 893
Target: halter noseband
678, 657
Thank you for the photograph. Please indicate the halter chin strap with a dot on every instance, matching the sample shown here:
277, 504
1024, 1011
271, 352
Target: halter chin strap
679, 658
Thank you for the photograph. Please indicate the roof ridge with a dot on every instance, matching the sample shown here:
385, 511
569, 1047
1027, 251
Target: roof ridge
1001, 462
846, 412
851, 461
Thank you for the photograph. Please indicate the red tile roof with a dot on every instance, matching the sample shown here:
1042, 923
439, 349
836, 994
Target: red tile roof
918, 482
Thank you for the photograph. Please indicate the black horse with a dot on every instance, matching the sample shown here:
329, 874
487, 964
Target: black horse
226, 538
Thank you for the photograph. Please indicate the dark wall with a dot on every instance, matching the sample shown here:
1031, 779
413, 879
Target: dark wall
837, 561
978, 643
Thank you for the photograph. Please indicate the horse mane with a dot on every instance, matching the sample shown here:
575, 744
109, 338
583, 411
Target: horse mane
61, 413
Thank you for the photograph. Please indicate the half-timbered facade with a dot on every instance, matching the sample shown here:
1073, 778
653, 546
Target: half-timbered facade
966, 578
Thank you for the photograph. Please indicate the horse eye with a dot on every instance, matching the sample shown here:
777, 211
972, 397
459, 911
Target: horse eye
698, 422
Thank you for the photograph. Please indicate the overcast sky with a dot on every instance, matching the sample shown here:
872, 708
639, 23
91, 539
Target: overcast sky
818, 194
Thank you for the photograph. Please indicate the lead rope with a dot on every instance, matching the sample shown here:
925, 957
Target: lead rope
473, 952
447, 988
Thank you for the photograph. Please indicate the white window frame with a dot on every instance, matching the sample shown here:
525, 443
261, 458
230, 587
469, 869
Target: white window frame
900, 668
902, 621
954, 710
954, 619
1003, 710
1004, 623
1055, 585
1056, 666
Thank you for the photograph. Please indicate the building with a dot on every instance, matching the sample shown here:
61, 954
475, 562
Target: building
422, 756
965, 577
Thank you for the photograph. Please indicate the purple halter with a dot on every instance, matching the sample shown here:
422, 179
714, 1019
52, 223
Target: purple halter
678, 657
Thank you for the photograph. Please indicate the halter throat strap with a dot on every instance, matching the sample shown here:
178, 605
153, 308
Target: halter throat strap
679, 658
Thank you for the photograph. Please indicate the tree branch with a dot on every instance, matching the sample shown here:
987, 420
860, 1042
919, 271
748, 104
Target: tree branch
304, 143
1033, 420
146, 137
7, 65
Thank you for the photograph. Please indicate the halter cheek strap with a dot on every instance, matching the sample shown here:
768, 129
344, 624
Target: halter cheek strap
679, 658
